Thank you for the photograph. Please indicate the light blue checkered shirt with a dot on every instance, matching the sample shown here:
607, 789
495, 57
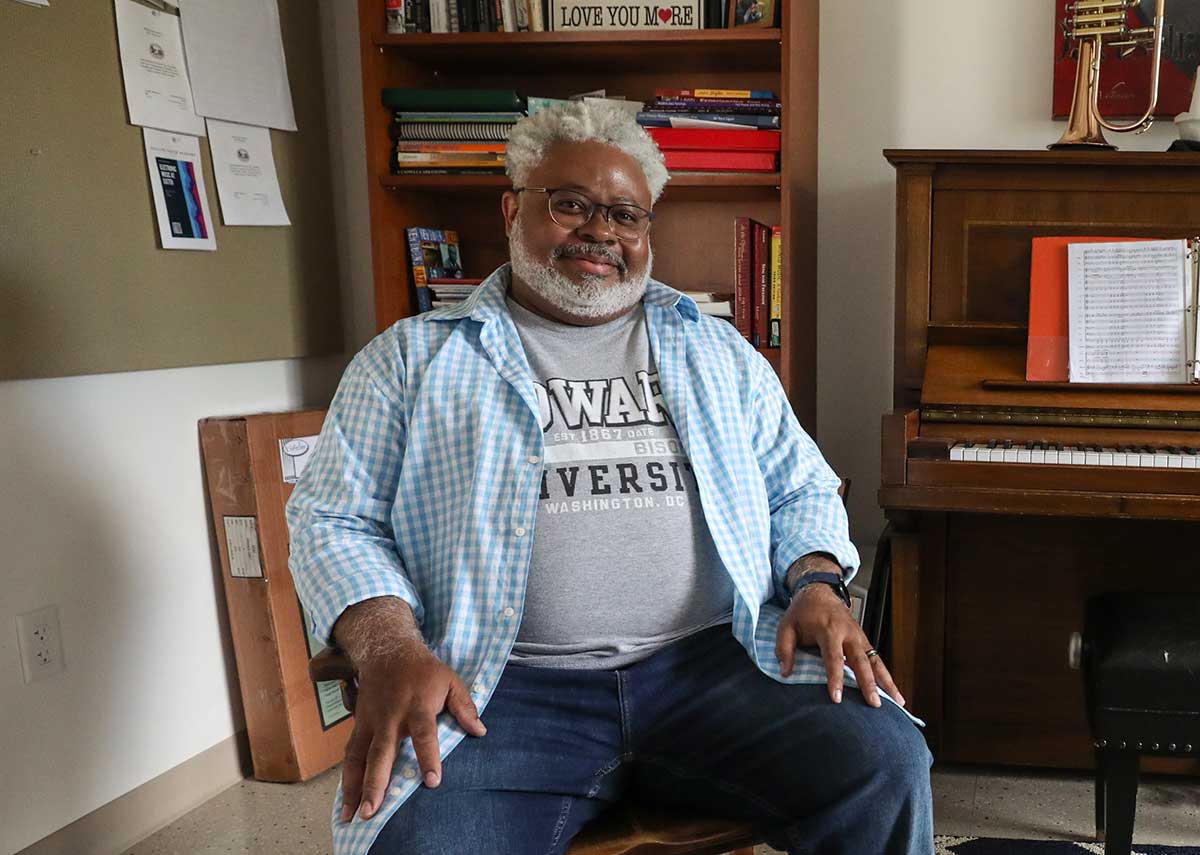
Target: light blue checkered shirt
425, 481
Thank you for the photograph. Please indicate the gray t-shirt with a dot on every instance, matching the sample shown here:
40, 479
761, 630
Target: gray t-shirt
623, 562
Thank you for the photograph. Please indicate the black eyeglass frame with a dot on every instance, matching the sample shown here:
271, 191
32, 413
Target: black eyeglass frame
593, 207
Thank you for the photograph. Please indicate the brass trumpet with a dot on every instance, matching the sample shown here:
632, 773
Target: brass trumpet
1097, 24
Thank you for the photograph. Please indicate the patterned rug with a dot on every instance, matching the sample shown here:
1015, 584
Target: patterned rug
1000, 846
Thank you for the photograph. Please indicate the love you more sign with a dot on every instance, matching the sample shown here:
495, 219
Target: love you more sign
624, 15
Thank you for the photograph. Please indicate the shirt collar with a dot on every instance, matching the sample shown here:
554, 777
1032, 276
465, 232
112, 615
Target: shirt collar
487, 301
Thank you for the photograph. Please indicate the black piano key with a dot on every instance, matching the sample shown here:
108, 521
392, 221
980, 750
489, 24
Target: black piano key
1008, 443
1174, 449
992, 443
968, 445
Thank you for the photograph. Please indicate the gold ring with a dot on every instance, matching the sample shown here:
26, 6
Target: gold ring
872, 653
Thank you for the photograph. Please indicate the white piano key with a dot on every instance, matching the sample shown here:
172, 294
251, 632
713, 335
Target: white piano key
1091, 458
1010, 455
956, 451
1078, 456
1174, 461
1161, 459
1146, 459
1120, 458
1052, 456
1189, 461
1037, 455
971, 455
1106, 456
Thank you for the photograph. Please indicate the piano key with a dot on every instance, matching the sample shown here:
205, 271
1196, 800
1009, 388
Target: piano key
956, 451
1091, 456
1038, 453
1024, 454
1106, 456
1078, 456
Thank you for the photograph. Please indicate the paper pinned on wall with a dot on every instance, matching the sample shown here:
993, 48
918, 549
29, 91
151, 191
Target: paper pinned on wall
177, 183
35, 2
157, 90
244, 166
235, 56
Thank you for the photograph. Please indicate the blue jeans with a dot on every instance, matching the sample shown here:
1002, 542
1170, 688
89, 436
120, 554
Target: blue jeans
697, 727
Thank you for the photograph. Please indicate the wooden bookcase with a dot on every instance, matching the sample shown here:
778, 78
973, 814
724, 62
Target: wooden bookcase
693, 232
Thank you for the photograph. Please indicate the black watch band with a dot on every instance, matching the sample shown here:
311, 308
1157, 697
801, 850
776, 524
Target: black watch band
833, 580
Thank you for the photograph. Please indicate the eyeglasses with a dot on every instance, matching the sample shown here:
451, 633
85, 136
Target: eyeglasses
572, 210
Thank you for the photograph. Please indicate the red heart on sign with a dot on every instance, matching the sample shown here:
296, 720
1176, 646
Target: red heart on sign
664, 15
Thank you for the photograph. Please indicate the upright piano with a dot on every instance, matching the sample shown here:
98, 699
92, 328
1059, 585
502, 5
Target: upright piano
1011, 502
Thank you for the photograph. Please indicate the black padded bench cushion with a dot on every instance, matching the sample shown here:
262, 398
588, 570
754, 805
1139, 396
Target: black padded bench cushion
1143, 666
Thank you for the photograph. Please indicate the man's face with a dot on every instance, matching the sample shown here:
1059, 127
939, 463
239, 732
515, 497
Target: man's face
579, 275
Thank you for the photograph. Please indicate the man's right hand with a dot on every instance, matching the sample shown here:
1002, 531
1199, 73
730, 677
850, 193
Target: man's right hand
400, 694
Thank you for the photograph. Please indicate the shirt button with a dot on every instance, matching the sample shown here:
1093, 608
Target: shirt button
394, 791
519, 532
410, 772
509, 612
479, 688
533, 458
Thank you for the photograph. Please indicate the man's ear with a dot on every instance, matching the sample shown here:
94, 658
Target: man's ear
509, 205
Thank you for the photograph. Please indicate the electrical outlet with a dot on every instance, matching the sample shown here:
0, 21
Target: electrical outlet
40, 643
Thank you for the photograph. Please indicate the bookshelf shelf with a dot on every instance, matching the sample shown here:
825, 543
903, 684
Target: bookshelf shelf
693, 234
683, 186
721, 50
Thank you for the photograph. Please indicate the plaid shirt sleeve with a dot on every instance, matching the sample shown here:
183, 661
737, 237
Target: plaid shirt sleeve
340, 514
807, 515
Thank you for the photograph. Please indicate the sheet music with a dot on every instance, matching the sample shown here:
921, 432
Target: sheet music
1127, 312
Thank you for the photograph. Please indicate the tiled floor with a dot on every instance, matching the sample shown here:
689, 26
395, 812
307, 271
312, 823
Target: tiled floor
254, 818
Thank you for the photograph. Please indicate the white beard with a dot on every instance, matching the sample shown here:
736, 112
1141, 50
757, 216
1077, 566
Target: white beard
594, 297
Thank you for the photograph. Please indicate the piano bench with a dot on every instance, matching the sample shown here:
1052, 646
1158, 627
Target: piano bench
1141, 666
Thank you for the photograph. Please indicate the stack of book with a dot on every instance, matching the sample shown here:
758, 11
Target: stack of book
758, 282
437, 267
451, 131
715, 130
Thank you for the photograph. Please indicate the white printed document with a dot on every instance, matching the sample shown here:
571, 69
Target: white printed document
247, 184
235, 57
177, 183
1128, 309
157, 91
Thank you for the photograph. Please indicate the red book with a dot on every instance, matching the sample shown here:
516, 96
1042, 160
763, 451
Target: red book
714, 140
721, 161
743, 249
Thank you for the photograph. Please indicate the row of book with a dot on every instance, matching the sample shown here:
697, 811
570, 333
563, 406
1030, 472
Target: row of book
515, 16
464, 131
758, 281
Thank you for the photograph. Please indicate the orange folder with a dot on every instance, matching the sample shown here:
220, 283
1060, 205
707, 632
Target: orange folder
1049, 333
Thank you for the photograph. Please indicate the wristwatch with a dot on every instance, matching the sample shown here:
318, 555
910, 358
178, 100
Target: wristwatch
833, 580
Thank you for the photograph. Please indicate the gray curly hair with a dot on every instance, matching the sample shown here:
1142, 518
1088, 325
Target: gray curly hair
583, 121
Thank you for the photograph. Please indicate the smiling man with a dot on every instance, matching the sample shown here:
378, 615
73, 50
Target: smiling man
579, 549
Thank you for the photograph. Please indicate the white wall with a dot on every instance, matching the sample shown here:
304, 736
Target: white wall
907, 74
102, 512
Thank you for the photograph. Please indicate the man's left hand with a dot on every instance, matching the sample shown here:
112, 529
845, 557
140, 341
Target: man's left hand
817, 617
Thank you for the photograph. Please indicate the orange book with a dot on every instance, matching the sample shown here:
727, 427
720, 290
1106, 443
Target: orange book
1049, 333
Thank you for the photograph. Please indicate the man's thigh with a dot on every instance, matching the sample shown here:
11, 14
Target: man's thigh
551, 760
710, 731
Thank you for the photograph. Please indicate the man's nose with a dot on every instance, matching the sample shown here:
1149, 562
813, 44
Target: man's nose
597, 229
